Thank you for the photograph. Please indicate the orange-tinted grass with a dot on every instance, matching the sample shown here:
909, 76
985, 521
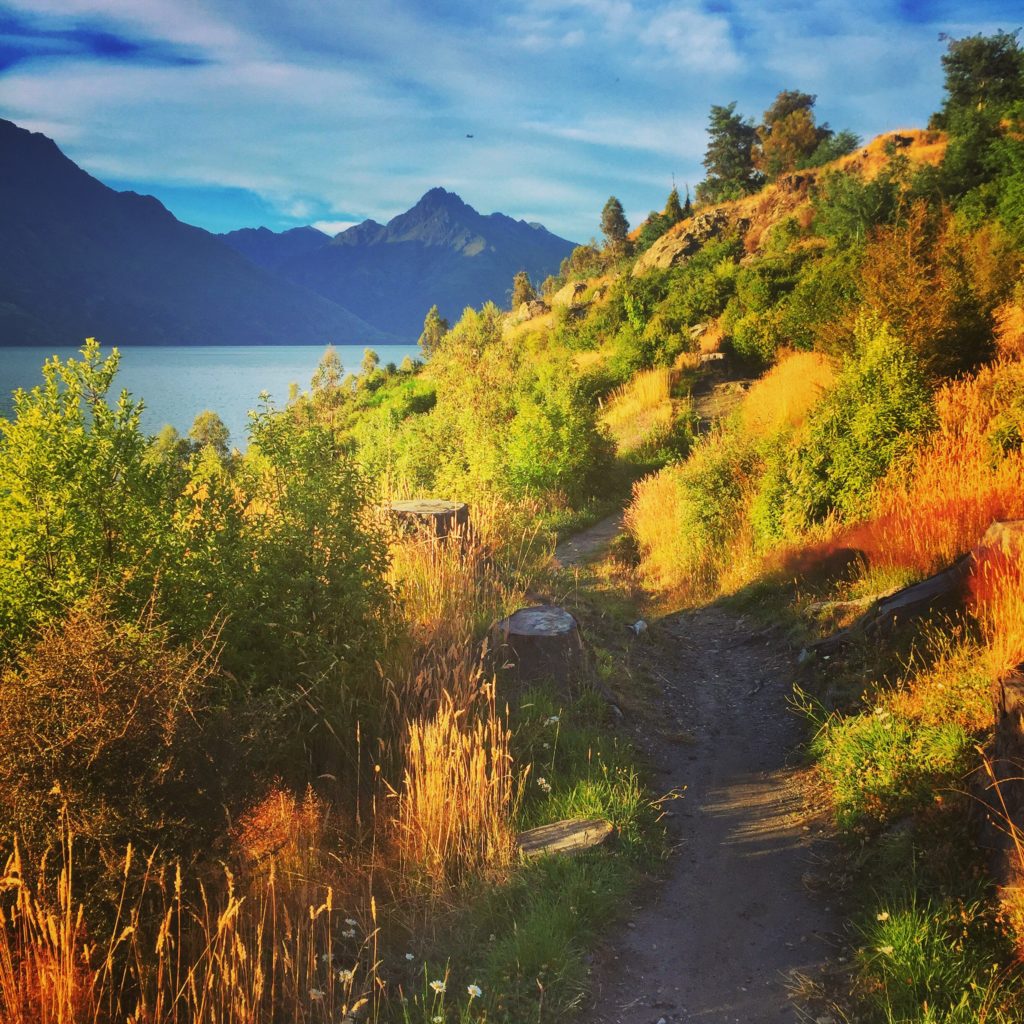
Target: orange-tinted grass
784, 396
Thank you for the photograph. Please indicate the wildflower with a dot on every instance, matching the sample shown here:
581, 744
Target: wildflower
317, 994
553, 720
409, 956
349, 933
547, 746
437, 1019
439, 987
351, 922
887, 950
475, 992
544, 784
325, 958
346, 976
883, 916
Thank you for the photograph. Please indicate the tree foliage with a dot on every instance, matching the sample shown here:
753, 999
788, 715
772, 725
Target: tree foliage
729, 160
615, 228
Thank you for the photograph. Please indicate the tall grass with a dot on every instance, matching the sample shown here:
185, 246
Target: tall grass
782, 398
458, 797
640, 413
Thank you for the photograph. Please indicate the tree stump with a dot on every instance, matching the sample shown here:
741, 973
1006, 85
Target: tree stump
542, 642
438, 518
573, 835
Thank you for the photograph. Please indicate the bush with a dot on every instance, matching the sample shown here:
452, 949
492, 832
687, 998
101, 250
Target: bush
876, 415
105, 718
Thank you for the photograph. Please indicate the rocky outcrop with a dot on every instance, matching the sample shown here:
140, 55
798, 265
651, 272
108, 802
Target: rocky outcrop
677, 246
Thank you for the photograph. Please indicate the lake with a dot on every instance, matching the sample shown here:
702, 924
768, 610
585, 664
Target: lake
178, 382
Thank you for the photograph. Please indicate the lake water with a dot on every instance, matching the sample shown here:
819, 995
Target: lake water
178, 382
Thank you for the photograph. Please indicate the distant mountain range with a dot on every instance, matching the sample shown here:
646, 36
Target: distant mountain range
440, 252
79, 259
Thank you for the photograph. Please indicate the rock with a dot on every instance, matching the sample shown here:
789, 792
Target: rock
678, 245
570, 294
530, 310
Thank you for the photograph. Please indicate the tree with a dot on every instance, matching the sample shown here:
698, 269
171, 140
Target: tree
329, 371
615, 228
370, 362
832, 148
584, 261
208, 429
653, 228
729, 157
522, 289
788, 133
435, 327
673, 212
983, 73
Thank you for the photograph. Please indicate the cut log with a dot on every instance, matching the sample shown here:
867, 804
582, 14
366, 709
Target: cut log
438, 518
542, 642
574, 835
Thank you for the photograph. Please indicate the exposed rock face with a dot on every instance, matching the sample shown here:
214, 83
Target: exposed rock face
570, 294
674, 248
530, 310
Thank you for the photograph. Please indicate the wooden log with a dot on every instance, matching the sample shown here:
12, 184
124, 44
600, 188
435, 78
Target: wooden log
542, 642
571, 836
999, 788
945, 591
438, 518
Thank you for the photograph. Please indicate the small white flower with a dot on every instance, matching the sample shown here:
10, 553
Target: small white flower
547, 746
325, 958
493, 937
887, 950
349, 933
883, 916
438, 1019
439, 987
317, 994
409, 956
544, 784
475, 992
553, 720
351, 922
346, 976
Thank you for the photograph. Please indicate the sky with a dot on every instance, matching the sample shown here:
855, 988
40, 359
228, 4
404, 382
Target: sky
240, 113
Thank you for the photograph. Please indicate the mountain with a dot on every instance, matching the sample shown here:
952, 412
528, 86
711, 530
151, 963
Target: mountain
79, 259
441, 251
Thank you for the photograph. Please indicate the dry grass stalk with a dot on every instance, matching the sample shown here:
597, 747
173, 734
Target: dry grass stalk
784, 396
458, 797
641, 412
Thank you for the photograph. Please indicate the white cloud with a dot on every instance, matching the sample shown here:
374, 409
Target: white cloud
334, 227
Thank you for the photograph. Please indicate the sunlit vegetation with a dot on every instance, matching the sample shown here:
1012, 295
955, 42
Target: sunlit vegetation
326, 786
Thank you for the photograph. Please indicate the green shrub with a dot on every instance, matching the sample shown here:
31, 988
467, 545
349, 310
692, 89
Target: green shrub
877, 413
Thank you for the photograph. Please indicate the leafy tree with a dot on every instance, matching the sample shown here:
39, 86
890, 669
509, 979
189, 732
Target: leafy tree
329, 371
584, 261
370, 362
615, 228
435, 327
832, 148
652, 229
209, 429
788, 134
729, 158
522, 289
982, 73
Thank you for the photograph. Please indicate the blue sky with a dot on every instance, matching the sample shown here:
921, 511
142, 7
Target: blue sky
285, 112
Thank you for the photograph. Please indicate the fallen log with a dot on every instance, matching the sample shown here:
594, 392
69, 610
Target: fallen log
571, 836
542, 642
945, 591
438, 518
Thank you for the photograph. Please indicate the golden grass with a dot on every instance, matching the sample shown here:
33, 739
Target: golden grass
212, 956
458, 795
641, 412
784, 396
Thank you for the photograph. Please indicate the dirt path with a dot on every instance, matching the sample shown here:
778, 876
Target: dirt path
578, 548
722, 938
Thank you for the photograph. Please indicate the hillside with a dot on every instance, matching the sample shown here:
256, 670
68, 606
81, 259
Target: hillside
441, 251
80, 259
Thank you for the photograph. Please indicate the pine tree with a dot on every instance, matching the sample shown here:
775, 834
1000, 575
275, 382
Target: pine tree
673, 212
788, 135
615, 228
729, 157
